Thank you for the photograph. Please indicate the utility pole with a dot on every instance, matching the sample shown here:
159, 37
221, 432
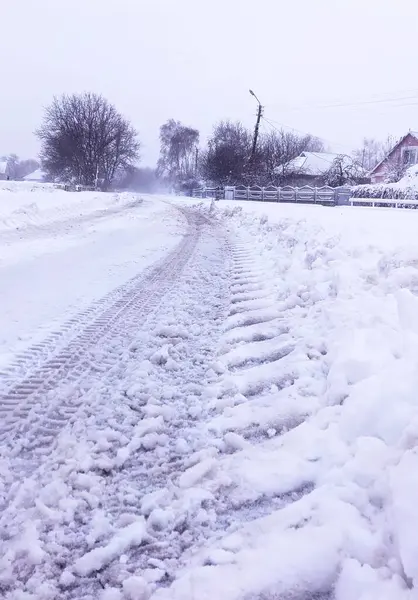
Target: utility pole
257, 126
196, 161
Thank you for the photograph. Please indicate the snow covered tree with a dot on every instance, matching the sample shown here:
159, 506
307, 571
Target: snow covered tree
372, 152
85, 140
395, 169
343, 171
227, 158
178, 153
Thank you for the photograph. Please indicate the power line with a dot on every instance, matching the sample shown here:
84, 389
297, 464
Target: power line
382, 97
271, 121
356, 103
317, 154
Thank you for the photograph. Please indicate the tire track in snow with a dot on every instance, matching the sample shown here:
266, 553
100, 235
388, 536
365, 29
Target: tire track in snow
32, 358
136, 479
25, 408
157, 478
198, 303
29, 231
263, 365
261, 361
218, 506
258, 340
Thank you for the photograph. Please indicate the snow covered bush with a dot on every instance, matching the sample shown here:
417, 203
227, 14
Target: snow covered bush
406, 188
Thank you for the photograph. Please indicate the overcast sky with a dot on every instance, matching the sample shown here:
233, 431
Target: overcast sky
340, 69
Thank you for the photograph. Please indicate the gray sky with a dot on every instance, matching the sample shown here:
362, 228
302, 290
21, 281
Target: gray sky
194, 60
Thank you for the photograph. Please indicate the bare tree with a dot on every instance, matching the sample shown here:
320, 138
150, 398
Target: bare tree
226, 160
86, 140
395, 169
343, 171
178, 153
372, 151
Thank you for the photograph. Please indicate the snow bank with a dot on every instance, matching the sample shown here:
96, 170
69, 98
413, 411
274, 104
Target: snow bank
320, 468
23, 204
406, 187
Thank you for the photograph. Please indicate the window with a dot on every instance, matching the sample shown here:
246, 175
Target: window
410, 156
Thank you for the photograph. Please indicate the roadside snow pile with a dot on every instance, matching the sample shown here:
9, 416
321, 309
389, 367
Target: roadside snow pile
406, 188
25, 186
24, 204
316, 413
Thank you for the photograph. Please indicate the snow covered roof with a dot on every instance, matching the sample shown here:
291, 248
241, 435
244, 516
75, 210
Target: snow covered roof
4, 167
313, 163
37, 175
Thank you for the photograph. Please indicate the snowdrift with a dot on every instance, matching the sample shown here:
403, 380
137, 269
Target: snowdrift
24, 204
347, 288
322, 442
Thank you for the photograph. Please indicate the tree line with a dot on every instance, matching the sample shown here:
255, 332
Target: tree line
227, 158
85, 140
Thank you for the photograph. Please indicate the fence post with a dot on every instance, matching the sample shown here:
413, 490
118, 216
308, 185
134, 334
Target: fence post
262, 194
315, 194
279, 191
248, 193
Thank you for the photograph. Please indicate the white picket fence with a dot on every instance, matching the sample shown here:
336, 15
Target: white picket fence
381, 202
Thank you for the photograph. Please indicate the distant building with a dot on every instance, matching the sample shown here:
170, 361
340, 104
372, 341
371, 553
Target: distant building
37, 175
404, 154
5, 170
309, 168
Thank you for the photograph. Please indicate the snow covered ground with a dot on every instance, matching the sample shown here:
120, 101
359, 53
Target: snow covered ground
24, 204
62, 251
236, 420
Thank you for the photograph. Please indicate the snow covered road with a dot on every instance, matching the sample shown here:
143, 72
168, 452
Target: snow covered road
57, 268
142, 341
226, 408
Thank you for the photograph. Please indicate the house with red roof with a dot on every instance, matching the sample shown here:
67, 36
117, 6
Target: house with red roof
404, 154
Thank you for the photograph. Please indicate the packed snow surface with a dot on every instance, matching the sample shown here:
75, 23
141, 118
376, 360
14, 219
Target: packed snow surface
62, 251
236, 420
27, 203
